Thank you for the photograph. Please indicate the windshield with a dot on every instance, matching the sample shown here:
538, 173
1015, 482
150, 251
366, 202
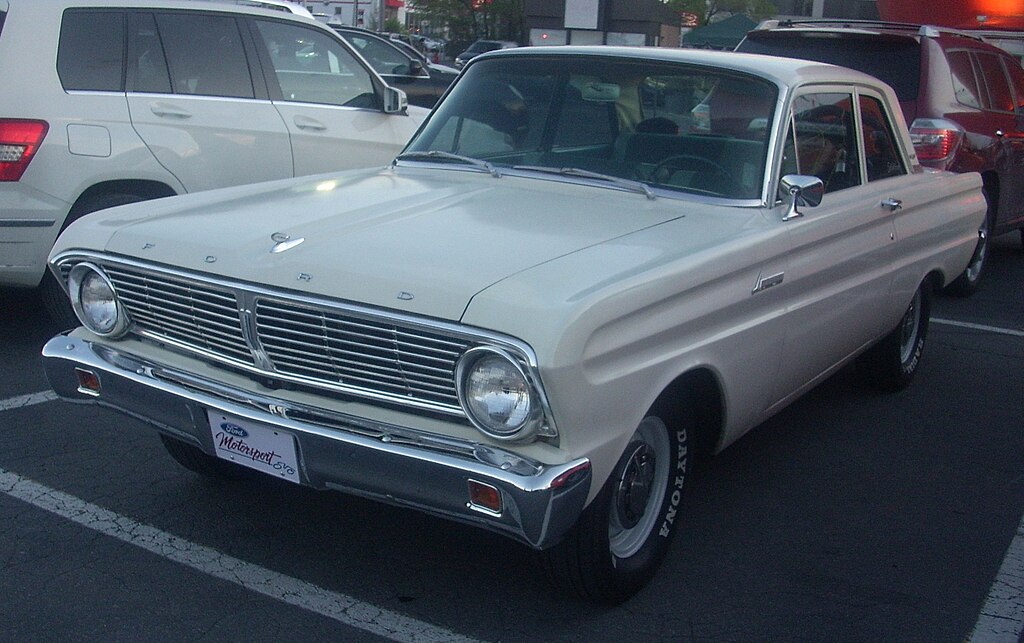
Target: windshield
673, 126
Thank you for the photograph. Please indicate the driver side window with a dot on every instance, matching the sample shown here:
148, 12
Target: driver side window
822, 140
311, 67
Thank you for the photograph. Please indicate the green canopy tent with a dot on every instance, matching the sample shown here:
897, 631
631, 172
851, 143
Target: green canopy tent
724, 34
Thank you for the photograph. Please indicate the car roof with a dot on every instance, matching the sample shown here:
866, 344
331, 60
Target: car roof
276, 8
860, 27
787, 72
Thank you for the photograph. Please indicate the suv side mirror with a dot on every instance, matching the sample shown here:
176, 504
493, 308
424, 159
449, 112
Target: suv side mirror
415, 67
395, 101
800, 190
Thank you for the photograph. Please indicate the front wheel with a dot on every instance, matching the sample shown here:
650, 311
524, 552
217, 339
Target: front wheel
890, 364
623, 535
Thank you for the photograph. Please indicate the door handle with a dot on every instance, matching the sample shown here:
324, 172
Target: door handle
305, 122
173, 111
892, 204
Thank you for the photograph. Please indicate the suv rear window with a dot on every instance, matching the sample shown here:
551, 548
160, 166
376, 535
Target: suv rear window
896, 62
90, 55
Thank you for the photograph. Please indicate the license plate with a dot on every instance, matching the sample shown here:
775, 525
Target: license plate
254, 445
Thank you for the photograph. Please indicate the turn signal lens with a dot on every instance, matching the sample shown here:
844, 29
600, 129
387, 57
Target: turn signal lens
484, 496
19, 140
88, 382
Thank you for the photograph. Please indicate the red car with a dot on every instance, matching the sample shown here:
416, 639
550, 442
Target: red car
963, 98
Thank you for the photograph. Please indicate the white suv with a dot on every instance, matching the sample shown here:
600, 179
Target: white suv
113, 101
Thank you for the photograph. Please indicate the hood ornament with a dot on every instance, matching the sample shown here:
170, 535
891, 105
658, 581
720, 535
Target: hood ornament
283, 241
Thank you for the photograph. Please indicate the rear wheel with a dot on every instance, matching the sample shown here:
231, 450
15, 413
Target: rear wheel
623, 535
890, 364
55, 300
195, 460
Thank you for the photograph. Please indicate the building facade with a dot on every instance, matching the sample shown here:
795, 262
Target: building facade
853, 9
601, 22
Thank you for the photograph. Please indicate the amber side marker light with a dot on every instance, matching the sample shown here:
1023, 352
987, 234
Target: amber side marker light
484, 497
88, 382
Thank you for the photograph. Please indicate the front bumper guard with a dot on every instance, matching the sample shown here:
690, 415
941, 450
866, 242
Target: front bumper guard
393, 464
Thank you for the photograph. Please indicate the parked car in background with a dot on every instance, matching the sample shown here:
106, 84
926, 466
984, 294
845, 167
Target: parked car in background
479, 47
120, 101
963, 98
422, 81
546, 310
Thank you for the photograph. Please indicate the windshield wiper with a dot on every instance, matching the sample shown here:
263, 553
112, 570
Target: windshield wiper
435, 155
632, 186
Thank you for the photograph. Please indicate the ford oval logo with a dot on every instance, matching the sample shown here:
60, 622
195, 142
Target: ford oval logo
234, 430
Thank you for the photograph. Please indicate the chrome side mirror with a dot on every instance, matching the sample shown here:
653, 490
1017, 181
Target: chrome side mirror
395, 101
800, 191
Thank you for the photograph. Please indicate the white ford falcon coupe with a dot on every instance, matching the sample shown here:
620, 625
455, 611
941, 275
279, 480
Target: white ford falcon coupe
590, 268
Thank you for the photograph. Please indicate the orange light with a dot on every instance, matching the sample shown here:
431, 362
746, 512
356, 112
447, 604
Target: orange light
88, 382
484, 496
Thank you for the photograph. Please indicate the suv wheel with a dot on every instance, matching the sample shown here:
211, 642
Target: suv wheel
55, 299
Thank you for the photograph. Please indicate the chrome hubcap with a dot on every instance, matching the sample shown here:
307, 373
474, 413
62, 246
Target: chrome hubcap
640, 489
635, 486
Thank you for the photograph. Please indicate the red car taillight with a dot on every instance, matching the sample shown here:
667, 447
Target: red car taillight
19, 140
935, 139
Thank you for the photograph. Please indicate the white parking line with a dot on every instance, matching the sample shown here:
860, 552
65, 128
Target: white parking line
27, 400
988, 329
341, 608
1002, 617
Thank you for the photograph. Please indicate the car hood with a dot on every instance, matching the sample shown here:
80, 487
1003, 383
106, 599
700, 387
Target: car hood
419, 240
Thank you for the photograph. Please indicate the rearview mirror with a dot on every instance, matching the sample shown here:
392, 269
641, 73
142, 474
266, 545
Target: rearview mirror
800, 191
395, 101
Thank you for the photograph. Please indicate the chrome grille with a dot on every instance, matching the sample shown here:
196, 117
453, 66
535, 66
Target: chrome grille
322, 344
182, 312
360, 352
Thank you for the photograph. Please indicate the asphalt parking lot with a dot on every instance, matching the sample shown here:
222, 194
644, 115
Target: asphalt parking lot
851, 516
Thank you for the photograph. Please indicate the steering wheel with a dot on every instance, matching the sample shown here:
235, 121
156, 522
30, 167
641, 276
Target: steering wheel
664, 171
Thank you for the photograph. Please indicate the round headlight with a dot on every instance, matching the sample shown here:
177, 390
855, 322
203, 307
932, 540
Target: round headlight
496, 394
94, 301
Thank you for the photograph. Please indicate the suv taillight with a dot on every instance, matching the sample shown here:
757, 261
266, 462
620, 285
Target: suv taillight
19, 140
935, 139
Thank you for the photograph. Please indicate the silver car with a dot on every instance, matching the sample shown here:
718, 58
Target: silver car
571, 286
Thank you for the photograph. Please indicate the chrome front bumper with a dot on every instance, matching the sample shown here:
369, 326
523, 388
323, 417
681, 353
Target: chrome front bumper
394, 464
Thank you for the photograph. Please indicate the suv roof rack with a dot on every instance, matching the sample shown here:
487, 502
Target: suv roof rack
925, 31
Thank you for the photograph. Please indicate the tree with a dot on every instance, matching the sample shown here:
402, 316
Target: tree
468, 20
708, 9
